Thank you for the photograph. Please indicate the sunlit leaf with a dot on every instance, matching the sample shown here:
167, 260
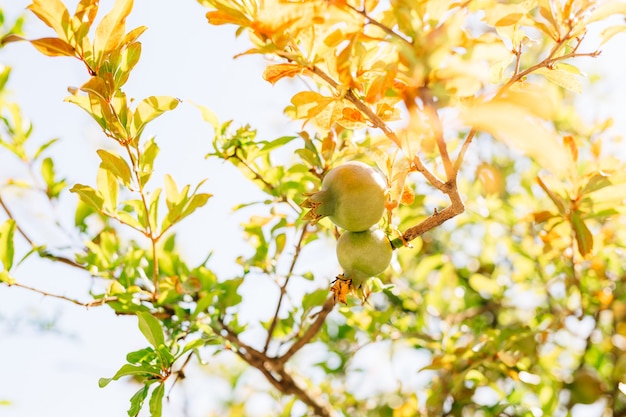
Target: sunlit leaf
273, 73
309, 104
53, 13
131, 370
151, 329
7, 251
116, 165
584, 238
156, 400
516, 127
172, 197
562, 78
53, 47
149, 109
608, 33
86, 11
108, 188
111, 28
137, 400
485, 286
89, 196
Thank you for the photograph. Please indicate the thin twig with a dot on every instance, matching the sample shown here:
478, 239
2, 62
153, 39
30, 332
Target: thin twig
43, 254
17, 226
180, 374
94, 303
283, 288
379, 25
352, 98
274, 370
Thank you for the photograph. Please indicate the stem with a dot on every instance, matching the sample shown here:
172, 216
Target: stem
379, 25
42, 254
352, 98
283, 289
94, 303
310, 332
151, 232
274, 370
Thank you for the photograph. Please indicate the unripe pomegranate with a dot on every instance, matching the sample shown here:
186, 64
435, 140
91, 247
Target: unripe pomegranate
352, 196
363, 254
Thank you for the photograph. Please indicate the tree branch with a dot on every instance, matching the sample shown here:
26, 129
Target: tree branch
352, 98
274, 368
283, 288
310, 332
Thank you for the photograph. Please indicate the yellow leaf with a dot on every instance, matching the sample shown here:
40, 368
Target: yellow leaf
533, 97
562, 78
607, 9
54, 14
111, 29
517, 127
53, 47
273, 73
309, 104
351, 118
333, 113
611, 31
149, 109
485, 286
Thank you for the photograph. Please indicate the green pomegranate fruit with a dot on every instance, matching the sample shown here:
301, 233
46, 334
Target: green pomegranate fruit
363, 254
352, 196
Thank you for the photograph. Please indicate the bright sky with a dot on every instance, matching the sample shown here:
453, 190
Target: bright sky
55, 373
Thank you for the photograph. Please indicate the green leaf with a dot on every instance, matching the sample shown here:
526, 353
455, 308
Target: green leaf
149, 109
172, 196
7, 250
485, 286
127, 218
277, 143
136, 401
116, 165
43, 147
145, 355
156, 401
195, 202
229, 295
584, 238
146, 161
151, 329
153, 208
6, 278
165, 355
88, 196
315, 298
208, 115
108, 188
128, 370
194, 344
